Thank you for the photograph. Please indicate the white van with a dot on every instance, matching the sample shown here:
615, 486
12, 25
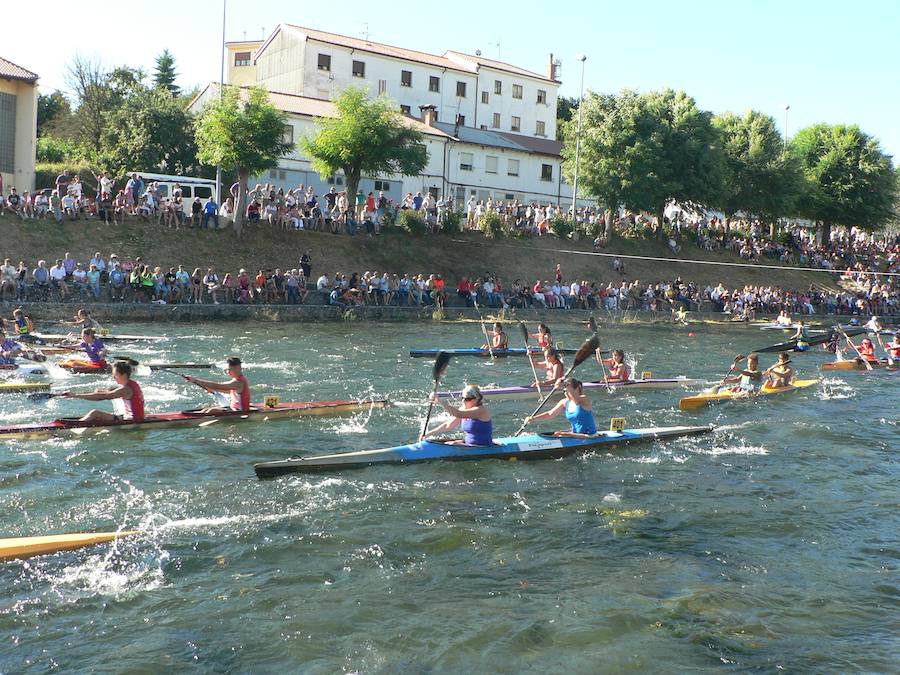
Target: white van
190, 186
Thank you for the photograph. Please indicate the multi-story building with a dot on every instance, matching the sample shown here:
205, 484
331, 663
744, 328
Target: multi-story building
18, 126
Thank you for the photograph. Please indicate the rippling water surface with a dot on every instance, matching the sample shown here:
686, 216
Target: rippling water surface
770, 544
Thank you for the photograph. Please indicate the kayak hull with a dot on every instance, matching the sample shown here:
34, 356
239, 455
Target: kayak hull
855, 364
23, 369
699, 401
26, 547
483, 353
526, 447
84, 367
598, 387
188, 418
791, 345
55, 338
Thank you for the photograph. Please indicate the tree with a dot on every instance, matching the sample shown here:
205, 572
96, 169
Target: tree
51, 108
165, 75
369, 137
148, 131
566, 107
642, 151
244, 134
848, 180
759, 177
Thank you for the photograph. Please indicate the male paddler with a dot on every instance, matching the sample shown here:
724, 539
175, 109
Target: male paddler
84, 320
9, 349
781, 374
499, 339
866, 349
127, 395
23, 327
748, 378
237, 388
801, 336
93, 347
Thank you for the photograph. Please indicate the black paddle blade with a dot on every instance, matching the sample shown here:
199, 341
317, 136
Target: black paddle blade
524, 329
440, 365
587, 349
592, 325
41, 396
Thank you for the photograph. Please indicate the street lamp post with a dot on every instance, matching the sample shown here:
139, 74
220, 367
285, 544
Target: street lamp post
221, 92
786, 108
582, 58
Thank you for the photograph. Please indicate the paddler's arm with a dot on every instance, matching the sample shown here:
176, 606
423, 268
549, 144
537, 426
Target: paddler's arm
209, 385
460, 413
450, 424
546, 415
101, 394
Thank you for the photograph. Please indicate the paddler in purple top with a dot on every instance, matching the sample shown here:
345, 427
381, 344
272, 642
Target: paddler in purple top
474, 418
9, 349
93, 347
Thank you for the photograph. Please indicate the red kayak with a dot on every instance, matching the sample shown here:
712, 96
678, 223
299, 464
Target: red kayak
84, 366
189, 418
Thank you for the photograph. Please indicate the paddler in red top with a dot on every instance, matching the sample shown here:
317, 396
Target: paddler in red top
499, 339
128, 392
866, 349
893, 347
553, 366
618, 369
543, 335
238, 388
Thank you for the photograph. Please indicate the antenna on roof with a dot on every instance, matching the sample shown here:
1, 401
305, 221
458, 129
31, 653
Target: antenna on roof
365, 31
245, 36
497, 45
262, 30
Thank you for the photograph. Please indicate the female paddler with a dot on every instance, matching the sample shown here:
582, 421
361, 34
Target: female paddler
618, 369
553, 366
499, 339
127, 392
474, 417
577, 408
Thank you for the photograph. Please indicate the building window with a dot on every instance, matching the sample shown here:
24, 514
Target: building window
540, 129
382, 87
382, 186
242, 59
465, 161
490, 164
542, 96
434, 83
325, 62
498, 87
516, 124
288, 135
485, 97
405, 78
546, 172
512, 167
405, 109
496, 121
517, 91
461, 120
359, 69
461, 89
335, 180
7, 132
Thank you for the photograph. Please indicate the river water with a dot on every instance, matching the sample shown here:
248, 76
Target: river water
770, 544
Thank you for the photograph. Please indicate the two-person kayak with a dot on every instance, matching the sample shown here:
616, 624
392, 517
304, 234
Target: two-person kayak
856, 364
189, 418
525, 447
698, 401
484, 353
599, 386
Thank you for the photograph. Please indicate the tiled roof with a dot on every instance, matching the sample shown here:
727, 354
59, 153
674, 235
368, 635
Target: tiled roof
497, 65
378, 48
500, 139
10, 71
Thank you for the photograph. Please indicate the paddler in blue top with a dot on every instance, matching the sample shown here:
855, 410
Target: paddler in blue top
801, 336
577, 408
474, 418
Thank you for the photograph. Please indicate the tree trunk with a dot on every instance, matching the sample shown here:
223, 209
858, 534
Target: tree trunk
773, 229
239, 208
610, 215
825, 232
661, 224
352, 187
727, 229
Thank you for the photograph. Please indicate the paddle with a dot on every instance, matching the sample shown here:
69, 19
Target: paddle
437, 371
584, 352
483, 329
42, 396
890, 359
537, 381
856, 349
593, 326
730, 370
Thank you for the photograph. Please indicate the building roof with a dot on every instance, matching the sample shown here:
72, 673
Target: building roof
498, 65
376, 48
10, 71
500, 139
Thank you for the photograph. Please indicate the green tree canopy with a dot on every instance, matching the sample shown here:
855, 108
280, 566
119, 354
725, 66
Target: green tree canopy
566, 106
641, 151
369, 137
164, 75
148, 131
51, 109
759, 178
849, 180
245, 135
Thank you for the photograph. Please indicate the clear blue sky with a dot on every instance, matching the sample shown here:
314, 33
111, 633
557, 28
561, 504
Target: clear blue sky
830, 61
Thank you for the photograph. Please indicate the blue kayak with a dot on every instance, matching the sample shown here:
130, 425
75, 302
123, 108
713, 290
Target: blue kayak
477, 351
526, 447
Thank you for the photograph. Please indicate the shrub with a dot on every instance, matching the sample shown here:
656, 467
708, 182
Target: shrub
411, 222
58, 150
45, 173
561, 227
492, 225
451, 222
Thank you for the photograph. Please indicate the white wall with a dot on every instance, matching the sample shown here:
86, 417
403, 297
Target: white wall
527, 108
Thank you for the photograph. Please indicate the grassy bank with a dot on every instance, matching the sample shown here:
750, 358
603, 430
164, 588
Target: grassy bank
466, 254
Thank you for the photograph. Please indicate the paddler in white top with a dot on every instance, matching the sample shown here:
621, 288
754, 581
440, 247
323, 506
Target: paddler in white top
874, 324
83, 320
748, 378
784, 319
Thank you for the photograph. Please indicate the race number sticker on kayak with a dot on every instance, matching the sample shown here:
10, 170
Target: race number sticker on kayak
646, 375
272, 401
543, 444
617, 424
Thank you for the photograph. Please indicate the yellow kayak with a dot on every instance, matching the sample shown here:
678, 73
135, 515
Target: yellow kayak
25, 547
19, 387
702, 400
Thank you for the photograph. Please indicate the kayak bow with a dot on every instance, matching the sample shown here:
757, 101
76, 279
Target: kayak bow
525, 447
26, 547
